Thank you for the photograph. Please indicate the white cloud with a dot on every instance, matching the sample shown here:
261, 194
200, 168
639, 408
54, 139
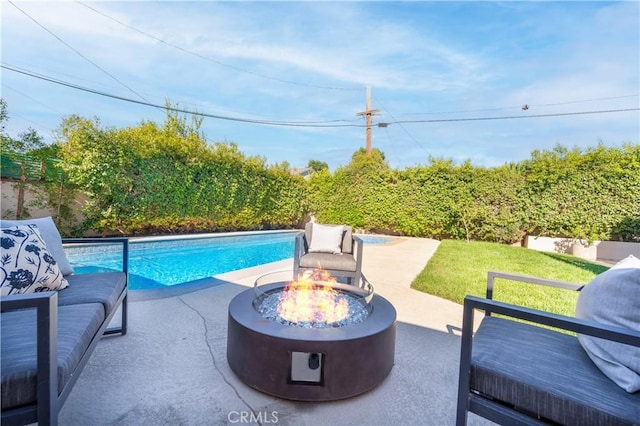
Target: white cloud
419, 57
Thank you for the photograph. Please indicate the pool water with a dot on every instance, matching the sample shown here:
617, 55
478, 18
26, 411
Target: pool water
157, 264
162, 263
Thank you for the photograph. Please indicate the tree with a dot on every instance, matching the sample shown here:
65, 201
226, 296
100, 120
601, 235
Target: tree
3, 115
317, 166
29, 160
27, 141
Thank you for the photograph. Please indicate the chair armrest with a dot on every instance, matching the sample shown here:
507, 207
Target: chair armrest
577, 325
492, 275
471, 303
358, 244
299, 250
112, 240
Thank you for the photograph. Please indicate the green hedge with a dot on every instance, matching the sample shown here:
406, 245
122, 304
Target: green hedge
591, 194
169, 179
151, 179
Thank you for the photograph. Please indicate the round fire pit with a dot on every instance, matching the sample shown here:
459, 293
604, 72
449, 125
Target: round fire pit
317, 358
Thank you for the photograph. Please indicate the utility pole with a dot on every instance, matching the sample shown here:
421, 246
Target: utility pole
367, 114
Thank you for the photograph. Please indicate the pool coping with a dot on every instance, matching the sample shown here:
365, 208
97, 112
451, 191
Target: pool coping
152, 238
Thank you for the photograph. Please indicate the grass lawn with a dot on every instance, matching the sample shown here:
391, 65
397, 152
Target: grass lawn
459, 268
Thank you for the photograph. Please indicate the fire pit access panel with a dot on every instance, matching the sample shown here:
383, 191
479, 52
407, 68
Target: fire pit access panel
306, 368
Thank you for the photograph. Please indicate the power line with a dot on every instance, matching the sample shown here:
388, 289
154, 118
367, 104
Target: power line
586, 100
559, 114
319, 124
402, 127
520, 106
182, 49
77, 51
30, 97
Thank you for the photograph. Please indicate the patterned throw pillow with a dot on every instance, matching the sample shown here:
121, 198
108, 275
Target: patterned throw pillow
26, 266
51, 237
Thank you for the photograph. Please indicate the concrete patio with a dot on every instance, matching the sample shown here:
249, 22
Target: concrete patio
171, 367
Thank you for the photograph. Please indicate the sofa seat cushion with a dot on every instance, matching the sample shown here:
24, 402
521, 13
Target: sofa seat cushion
328, 261
102, 288
77, 326
547, 374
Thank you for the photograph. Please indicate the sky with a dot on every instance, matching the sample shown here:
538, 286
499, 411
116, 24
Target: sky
484, 81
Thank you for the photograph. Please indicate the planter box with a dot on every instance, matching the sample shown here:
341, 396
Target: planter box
585, 250
598, 250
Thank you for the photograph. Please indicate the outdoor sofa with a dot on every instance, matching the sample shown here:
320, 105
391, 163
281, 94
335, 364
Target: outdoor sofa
513, 372
48, 337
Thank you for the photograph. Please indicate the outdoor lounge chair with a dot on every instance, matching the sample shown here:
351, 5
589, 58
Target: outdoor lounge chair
513, 372
332, 248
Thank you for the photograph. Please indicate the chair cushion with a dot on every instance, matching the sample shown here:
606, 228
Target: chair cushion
51, 237
546, 373
77, 325
26, 264
347, 238
103, 288
340, 262
326, 238
613, 298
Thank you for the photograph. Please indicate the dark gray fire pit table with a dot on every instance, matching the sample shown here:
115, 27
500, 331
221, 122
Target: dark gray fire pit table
310, 364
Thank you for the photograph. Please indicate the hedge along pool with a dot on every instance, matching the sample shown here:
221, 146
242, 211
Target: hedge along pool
157, 263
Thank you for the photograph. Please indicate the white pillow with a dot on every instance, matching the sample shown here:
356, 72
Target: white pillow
51, 237
628, 262
26, 265
613, 298
326, 238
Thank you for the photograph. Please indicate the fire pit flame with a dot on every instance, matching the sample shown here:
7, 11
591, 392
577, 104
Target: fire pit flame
312, 299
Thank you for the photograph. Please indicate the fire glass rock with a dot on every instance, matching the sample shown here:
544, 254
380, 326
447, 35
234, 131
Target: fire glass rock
357, 311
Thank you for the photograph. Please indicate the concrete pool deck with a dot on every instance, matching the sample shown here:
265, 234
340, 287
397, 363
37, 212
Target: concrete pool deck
171, 367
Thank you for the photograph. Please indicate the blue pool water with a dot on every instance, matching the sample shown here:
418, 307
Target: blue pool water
374, 239
162, 263
157, 264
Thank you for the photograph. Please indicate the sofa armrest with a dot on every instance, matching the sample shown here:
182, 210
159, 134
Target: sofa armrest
112, 240
46, 305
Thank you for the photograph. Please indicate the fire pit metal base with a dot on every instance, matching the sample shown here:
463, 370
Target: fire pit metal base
310, 364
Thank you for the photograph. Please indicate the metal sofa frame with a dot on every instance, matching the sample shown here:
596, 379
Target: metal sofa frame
49, 401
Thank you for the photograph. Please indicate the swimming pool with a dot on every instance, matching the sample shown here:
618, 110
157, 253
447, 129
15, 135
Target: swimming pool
160, 263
